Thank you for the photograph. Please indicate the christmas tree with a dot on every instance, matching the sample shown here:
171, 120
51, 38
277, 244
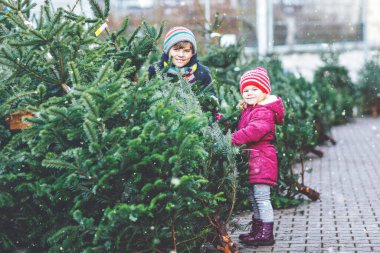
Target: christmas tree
102, 160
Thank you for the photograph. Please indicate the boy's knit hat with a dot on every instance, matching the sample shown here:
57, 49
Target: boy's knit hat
257, 77
177, 34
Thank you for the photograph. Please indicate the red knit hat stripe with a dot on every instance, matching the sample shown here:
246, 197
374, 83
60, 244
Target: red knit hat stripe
258, 78
176, 29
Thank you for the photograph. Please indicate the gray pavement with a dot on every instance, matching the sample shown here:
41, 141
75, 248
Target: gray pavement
348, 179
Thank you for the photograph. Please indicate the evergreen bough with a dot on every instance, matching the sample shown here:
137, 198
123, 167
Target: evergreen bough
113, 162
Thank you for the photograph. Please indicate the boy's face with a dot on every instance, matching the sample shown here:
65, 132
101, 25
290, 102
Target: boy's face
181, 53
253, 95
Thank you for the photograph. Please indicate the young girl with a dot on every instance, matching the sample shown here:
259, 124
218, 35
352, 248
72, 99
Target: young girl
256, 129
180, 46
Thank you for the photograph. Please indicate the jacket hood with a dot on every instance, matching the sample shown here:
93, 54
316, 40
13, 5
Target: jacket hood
278, 108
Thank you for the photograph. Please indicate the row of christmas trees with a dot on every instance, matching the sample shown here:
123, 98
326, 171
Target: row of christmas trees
109, 161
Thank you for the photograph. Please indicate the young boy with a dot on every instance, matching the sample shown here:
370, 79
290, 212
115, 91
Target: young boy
180, 46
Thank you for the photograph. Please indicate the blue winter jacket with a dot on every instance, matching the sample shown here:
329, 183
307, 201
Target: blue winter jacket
202, 73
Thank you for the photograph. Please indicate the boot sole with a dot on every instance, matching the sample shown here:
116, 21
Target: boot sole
261, 243
244, 238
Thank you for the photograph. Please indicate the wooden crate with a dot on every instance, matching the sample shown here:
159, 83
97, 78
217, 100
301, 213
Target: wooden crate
15, 120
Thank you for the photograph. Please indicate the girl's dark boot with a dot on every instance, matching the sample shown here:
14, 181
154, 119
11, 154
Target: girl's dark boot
264, 236
256, 224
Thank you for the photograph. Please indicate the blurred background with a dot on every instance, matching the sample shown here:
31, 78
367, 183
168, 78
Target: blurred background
297, 30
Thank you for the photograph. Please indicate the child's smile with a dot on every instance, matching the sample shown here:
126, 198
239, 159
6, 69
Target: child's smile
181, 56
253, 95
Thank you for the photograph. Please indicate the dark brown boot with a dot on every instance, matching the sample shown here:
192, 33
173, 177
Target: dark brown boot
255, 227
264, 237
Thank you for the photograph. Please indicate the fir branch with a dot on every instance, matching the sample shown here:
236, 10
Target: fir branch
96, 10
77, 18
18, 96
90, 131
125, 70
124, 27
35, 121
55, 21
16, 21
56, 30
102, 74
28, 8
63, 233
62, 67
27, 43
94, 120
147, 29
40, 22
38, 34
114, 109
58, 164
21, 15
58, 111
6, 200
96, 93
161, 30
47, 12
90, 105
107, 8
169, 97
75, 5
27, 69
133, 36
8, 4
74, 74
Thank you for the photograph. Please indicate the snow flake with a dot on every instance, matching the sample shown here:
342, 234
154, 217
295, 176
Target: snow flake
175, 181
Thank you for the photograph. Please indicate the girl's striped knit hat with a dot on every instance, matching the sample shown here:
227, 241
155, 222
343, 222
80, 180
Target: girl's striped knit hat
258, 78
177, 34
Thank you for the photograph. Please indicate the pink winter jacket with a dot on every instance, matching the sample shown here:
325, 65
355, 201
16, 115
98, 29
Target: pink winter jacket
256, 129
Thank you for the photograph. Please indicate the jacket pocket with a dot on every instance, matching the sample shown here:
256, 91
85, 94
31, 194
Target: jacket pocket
255, 162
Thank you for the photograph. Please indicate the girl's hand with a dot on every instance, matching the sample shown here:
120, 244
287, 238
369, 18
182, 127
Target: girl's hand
242, 105
218, 116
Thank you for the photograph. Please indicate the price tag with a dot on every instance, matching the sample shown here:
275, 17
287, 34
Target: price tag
101, 29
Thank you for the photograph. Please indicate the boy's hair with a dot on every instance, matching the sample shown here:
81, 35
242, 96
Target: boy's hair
178, 34
183, 44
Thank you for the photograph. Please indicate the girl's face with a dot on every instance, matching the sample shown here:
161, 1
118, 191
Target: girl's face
253, 95
181, 54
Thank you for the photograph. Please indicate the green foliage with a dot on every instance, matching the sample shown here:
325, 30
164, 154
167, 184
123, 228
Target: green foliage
369, 85
337, 92
112, 162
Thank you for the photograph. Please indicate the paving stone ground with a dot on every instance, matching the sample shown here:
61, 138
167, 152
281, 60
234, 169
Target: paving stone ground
346, 219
